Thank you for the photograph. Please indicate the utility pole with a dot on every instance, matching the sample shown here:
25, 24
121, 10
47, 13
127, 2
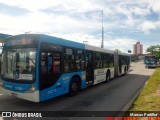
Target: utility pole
102, 43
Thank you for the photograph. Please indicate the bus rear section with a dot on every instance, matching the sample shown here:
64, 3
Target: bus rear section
121, 63
150, 61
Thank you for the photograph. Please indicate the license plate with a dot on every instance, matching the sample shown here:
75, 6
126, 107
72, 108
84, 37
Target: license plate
14, 94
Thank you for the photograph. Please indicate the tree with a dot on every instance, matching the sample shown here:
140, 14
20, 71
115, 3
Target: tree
154, 50
134, 58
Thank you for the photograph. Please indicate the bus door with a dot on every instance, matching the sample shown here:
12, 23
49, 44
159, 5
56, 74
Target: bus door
89, 68
50, 65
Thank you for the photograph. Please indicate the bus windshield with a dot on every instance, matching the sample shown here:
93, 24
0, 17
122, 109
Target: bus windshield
150, 59
18, 63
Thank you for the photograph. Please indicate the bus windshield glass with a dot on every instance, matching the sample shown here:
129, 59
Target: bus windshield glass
150, 59
18, 63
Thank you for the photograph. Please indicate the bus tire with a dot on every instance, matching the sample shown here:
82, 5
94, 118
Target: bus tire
74, 86
108, 75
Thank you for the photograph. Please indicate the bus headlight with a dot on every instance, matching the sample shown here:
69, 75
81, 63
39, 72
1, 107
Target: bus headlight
1, 83
31, 89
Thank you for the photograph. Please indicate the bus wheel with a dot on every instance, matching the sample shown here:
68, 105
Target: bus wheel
74, 87
108, 76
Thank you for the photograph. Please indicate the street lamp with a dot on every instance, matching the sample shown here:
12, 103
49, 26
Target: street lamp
102, 42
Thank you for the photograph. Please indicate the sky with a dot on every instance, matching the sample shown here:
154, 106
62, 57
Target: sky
125, 22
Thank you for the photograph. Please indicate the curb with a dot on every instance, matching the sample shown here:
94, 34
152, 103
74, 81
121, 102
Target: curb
128, 105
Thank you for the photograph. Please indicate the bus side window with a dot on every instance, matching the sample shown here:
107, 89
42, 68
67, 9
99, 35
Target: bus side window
80, 60
69, 59
98, 60
44, 63
111, 61
56, 62
66, 66
50, 62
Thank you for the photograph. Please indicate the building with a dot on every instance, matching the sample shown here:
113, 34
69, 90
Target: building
138, 49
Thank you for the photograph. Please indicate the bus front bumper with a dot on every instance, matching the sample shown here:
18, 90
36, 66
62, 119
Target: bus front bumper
34, 96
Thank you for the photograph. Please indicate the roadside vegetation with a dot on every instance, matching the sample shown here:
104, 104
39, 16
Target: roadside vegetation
149, 98
154, 50
134, 58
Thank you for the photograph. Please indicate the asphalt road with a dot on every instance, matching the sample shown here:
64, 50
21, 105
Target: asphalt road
112, 96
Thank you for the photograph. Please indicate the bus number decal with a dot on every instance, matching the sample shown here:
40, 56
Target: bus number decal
100, 71
65, 78
52, 91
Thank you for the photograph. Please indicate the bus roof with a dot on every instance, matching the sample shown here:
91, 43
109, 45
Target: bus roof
125, 54
60, 41
93, 48
64, 42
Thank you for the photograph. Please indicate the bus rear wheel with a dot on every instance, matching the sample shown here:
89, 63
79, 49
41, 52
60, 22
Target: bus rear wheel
74, 87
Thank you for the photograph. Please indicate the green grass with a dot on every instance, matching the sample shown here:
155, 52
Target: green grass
149, 98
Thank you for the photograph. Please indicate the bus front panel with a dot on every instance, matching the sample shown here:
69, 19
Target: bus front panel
18, 73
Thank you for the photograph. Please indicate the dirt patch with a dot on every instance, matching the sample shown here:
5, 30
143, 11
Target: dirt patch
157, 93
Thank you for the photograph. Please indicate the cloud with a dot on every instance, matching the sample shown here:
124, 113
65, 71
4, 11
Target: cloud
140, 11
35, 22
32, 5
147, 26
124, 21
123, 44
79, 37
155, 5
145, 5
12, 10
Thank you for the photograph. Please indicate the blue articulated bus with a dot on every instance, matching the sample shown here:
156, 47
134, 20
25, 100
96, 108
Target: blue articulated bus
38, 67
150, 61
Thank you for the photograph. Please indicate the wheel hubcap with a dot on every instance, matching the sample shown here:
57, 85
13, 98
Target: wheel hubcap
74, 87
